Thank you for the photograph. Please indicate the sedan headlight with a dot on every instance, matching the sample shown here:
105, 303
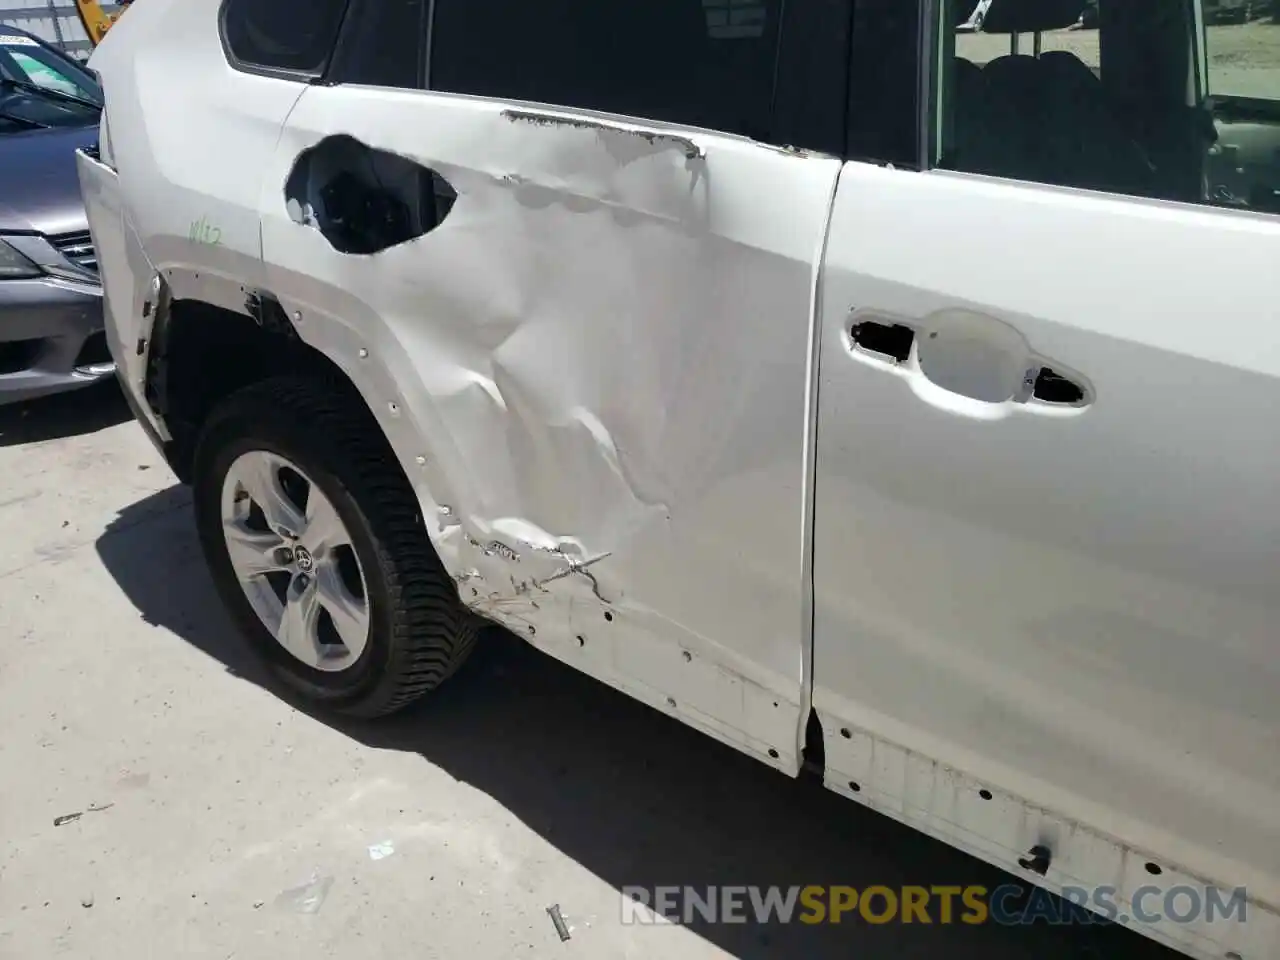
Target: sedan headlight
14, 266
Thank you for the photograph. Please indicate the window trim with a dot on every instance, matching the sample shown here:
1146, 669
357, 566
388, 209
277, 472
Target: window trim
929, 82
279, 73
428, 41
919, 117
1197, 86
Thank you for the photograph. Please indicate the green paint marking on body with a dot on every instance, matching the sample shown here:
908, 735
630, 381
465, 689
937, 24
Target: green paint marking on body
201, 231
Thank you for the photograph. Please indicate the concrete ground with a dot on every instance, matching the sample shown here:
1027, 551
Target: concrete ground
210, 819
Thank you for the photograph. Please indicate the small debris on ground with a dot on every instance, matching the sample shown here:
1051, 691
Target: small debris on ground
557, 918
87, 902
307, 898
380, 851
72, 817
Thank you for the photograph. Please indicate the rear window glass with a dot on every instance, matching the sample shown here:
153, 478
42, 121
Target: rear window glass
296, 36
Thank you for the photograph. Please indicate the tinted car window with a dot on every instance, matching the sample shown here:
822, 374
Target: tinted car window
45, 88
1243, 45
296, 36
708, 63
382, 44
1101, 101
884, 67
22, 58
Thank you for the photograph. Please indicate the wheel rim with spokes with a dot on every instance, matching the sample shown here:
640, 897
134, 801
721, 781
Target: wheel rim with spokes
295, 561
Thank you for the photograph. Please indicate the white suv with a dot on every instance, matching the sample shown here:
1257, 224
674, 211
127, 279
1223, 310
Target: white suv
875, 403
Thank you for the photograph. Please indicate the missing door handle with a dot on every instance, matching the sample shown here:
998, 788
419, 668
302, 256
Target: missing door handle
891, 341
1037, 860
1052, 387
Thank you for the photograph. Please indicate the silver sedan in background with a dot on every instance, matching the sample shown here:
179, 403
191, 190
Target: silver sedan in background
51, 330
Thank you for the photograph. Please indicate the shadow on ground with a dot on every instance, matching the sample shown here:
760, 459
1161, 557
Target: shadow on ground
631, 795
79, 412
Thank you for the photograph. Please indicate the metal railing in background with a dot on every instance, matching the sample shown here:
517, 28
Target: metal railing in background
53, 20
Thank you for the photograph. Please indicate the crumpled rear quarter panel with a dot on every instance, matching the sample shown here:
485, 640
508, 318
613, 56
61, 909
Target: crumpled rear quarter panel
595, 371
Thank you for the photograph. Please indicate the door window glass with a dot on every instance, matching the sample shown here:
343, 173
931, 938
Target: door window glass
884, 83
1242, 45
980, 46
707, 63
296, 36
1103, 96
382, 44
1242, 39
43, 75
21, 58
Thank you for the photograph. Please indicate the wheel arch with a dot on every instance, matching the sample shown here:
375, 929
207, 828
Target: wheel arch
203, 349
209, 335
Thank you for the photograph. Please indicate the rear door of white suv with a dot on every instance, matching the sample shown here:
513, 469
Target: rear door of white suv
1047, 588
569, 258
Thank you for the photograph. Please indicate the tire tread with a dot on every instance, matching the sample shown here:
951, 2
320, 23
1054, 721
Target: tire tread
432, 632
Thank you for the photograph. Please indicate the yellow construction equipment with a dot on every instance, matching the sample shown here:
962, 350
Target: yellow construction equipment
97, 21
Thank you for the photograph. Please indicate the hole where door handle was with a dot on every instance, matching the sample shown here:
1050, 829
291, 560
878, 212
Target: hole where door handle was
1053, 387
891, 341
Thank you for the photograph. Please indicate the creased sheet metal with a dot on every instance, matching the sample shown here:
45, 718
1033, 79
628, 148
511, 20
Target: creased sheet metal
595, 371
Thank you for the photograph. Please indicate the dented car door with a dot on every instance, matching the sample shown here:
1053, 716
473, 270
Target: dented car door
587, 340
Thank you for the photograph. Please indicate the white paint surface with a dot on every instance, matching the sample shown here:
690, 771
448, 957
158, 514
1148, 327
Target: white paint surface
1079, 610
597, 371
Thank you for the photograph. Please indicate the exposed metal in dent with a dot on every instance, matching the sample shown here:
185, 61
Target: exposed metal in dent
495, 548
692, 150
152, 347
581, 569
612, 133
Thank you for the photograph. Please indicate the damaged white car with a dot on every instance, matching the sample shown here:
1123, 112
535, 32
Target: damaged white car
877, 404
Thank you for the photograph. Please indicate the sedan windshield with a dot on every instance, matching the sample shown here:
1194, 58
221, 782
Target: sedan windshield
41, 87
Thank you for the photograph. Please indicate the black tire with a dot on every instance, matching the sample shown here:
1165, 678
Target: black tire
420, 632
